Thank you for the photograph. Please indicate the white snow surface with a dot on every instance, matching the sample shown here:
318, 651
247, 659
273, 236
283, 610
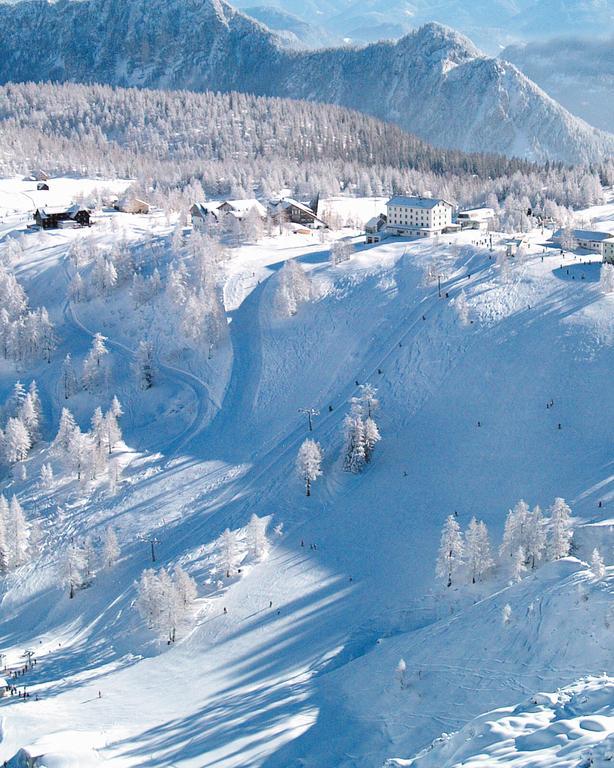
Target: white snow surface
310, 680
567, 729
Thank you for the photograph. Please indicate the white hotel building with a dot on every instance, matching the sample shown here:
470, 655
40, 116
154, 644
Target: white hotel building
418, 216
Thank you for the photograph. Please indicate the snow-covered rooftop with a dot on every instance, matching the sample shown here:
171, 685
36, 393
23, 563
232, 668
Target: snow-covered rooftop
586, 234
243, 206
417, 202
477, 213
54, 210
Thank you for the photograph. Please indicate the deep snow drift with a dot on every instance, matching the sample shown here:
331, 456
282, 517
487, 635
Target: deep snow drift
292, 661
572, 727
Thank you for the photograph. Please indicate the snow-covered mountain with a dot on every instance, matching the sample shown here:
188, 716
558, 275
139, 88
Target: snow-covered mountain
491, 23
577, 72
433, 82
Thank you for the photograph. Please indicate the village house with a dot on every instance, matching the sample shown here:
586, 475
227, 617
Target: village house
608, 250
418, 216
374, 228
287, 209
589, 240
476, 218
59, 216
38, 175
240, 208
205, 215
132, 205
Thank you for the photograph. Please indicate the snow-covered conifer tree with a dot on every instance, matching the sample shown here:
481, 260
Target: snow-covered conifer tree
67, 426
112, 430
514, 531
70, 383
94, 370
559, 540
46, 340
176, 285
36, 401
144, 365
97, 430
506, 614
354, 454
13, 405
518, 565
535, 537
293, 288
89, 557
368, 399
79, 454
149, 598
185, 585
257, 541
308, 463
17, 441
401, 673
597, 565
372, 437
228, 552
17, 534
110, 547
116, 407
46, 475
450, 557
76, 289
477, 550
173, 606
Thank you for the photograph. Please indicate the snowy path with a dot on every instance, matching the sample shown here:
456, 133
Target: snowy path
204, 407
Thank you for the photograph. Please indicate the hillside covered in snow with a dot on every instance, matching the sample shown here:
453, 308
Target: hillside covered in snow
434, 82
184, 599
576, 71
572, 727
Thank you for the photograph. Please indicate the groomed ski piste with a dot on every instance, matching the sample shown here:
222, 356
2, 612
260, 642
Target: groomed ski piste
292, 661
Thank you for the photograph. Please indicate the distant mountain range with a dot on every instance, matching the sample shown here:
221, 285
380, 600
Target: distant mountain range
577, 72
292, 31
433, 82
492, 24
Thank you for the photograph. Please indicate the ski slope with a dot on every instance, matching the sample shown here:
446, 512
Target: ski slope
310, 680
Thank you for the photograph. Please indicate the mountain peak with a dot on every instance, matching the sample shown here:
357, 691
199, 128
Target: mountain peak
436, 42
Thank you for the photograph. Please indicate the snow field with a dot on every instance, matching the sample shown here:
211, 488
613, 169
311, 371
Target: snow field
310, 680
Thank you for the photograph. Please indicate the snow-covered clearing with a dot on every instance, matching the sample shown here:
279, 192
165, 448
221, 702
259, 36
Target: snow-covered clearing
292, 662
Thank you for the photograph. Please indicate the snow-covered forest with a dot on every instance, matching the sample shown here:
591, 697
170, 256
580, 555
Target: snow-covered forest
237, 145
